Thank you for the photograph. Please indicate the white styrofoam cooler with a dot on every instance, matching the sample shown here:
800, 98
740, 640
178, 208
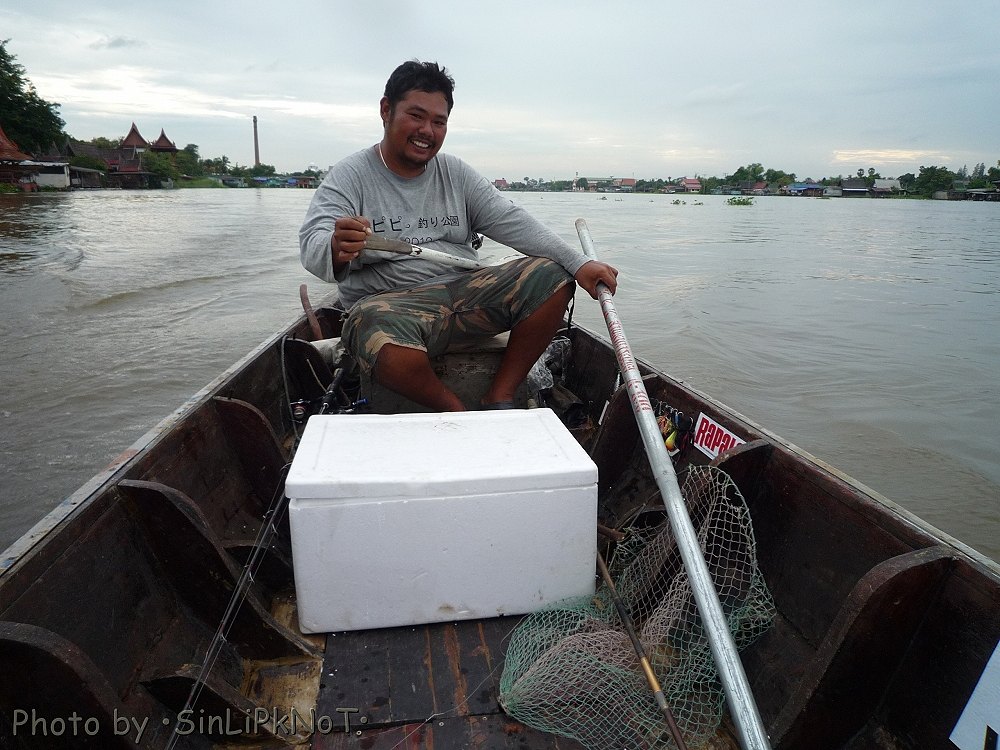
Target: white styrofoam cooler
415, 518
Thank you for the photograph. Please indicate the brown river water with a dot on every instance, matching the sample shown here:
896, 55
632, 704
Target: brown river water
866, 332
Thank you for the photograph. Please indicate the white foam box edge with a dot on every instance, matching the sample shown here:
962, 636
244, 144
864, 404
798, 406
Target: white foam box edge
412, 558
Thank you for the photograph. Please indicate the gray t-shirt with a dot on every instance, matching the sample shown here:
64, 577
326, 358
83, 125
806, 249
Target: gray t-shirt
444, 209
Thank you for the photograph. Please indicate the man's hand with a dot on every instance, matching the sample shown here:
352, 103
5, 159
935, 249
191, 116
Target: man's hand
592, 272
348, 240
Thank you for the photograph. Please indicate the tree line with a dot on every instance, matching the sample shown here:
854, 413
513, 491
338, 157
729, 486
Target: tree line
35, 125
929, 180
186, 162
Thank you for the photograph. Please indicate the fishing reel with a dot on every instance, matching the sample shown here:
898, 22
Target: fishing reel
313, 388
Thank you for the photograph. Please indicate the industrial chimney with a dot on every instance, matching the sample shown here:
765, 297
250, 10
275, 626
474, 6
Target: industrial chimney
256, 146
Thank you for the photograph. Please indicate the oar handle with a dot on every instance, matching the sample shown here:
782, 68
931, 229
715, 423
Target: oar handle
742, 706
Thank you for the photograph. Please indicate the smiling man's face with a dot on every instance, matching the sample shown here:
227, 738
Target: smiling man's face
414, 131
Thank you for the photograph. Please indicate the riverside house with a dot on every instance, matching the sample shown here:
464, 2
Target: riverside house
125, 167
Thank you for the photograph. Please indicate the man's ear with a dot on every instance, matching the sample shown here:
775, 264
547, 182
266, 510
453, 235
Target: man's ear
385, 110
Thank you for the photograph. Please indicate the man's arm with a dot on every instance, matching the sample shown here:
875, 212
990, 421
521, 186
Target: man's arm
511, 225
330, 238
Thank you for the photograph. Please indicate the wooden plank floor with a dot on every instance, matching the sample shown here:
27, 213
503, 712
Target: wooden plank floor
429, 686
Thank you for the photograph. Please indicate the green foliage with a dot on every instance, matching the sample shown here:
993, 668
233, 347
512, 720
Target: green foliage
248, 173
740, 200
219, 165
932, 179
188, 163
776, 175
708, 184
160, 165
31, 122
109, 143
978, 177
649, 186
750, 173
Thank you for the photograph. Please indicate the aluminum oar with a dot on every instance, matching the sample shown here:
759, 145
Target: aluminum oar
742, 706
415, 251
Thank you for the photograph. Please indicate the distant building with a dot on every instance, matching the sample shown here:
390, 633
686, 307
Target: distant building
501, 184
125, 169
854, 188
162, 145
299, 180
12, 171
884, 188
808, 189
689, 185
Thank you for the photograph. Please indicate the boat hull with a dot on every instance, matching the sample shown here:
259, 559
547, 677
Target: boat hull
110, 606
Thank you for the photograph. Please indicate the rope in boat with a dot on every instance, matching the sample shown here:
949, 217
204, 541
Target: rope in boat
267, 532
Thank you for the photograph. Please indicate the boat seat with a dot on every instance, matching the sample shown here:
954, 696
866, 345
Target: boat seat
61, 679
467, 370
496, 343
863, 649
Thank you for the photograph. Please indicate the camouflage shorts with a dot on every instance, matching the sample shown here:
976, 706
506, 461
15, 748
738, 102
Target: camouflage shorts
436, 316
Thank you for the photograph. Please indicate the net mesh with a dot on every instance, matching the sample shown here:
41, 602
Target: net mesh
571, 668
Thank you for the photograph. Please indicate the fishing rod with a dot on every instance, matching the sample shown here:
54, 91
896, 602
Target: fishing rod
742, 706
640, 651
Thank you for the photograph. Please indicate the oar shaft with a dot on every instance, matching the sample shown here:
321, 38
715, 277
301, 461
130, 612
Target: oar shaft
742, 706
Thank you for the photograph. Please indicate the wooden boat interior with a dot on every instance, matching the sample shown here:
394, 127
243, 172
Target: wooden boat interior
111, 605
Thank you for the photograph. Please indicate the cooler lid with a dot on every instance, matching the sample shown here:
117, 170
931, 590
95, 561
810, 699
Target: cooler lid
436, 455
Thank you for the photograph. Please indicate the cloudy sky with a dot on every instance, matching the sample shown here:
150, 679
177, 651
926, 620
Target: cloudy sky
545, 89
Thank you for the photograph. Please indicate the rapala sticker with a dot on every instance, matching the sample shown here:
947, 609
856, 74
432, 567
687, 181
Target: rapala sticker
711, 438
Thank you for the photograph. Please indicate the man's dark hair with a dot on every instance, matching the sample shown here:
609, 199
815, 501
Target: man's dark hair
414, 75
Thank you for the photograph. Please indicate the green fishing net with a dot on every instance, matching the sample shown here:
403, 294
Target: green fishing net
571, 668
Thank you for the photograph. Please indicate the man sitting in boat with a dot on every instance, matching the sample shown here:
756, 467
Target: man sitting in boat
403, 310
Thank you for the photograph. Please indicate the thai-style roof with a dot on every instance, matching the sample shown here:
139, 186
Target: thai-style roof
118, 159
134, 140
163, 143
886, 184
9, 151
